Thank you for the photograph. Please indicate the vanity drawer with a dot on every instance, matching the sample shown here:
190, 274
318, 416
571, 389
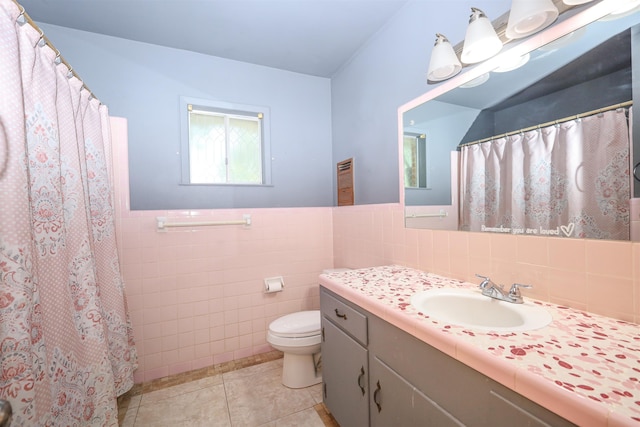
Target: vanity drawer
344, 316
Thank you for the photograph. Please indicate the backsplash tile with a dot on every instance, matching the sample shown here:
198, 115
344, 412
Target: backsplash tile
609, 258
599, 276
568, 254
610, 296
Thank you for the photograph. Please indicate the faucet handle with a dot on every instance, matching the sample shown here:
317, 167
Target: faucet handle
485, 281
515, 289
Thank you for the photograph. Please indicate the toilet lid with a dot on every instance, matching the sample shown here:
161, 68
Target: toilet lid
300, 324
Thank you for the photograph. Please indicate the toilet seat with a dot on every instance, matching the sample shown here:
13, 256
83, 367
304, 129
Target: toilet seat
296, 325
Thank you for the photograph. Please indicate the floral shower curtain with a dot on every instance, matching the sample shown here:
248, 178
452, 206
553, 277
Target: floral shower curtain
66, 347
567, 180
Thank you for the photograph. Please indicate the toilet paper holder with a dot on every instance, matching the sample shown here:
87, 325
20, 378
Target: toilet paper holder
273, 284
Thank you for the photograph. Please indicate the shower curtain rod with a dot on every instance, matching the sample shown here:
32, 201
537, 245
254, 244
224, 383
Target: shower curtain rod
44, 38
553, 122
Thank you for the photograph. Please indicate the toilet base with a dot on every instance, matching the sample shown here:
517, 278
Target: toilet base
298, 371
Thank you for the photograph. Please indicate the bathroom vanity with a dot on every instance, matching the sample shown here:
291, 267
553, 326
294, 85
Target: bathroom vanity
386, 363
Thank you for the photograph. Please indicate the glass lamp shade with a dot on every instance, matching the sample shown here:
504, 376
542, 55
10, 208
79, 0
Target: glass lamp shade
444, 63
481, 41
530, 16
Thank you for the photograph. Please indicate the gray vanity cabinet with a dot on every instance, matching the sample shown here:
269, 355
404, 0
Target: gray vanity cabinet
345, 367
456, 394
410, 383
397, 402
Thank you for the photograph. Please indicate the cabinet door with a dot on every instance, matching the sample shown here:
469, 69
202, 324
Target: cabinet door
345, 376
396, 402
508, 408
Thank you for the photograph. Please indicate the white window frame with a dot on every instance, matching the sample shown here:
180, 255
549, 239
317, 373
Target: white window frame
227, 108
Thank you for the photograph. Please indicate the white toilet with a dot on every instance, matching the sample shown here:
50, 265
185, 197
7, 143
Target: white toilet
297, 335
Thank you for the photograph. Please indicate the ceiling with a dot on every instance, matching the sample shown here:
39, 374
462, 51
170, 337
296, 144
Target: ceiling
313, 37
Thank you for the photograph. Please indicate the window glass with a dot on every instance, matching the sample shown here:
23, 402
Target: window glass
225, 144
245, 154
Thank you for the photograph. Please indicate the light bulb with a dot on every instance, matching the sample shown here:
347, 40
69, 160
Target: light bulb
481, 41
530, 16
444, 63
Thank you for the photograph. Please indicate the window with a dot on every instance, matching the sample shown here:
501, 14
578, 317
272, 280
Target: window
416, 161
224, 143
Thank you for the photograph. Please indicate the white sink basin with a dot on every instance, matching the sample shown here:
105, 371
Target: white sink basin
467, 307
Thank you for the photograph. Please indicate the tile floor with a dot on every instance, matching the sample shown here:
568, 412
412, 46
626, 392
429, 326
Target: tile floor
241, 393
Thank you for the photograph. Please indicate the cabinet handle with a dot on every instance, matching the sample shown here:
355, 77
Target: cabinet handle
375, 396
360, 378
344, 316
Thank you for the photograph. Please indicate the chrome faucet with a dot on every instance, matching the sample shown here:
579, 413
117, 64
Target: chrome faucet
495, 291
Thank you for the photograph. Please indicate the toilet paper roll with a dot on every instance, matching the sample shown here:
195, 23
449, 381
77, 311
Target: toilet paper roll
273, 284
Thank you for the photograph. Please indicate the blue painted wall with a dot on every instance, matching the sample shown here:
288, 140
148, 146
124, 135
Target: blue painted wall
143, 83
316, 122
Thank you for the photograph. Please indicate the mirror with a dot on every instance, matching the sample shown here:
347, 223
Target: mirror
573, 68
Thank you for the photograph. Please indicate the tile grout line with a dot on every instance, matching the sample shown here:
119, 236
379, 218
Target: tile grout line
221, 369
140, 389
226, 398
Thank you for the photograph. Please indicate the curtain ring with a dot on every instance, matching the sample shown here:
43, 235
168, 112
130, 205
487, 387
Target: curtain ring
21, 19
58, 58
635, 170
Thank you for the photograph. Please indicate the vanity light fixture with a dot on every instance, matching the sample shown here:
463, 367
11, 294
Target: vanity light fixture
530, 16
444, 62
481, 41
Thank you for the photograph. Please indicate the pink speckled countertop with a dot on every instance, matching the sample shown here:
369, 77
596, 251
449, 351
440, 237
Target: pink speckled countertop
582, 366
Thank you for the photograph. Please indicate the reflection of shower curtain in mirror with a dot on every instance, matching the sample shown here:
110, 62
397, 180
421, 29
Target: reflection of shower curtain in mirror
66, 344
568, 180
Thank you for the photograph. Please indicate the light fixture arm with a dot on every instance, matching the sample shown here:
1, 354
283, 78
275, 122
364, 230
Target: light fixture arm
475, 14
440, 39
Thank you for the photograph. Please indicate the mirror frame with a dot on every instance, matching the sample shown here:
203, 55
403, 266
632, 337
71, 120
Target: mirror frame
447, 215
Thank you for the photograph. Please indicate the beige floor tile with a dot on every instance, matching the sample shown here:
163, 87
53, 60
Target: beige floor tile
306, 418
168, 393
255, 395
316, 392
261, 398
130, 417
203, 407
254, 370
